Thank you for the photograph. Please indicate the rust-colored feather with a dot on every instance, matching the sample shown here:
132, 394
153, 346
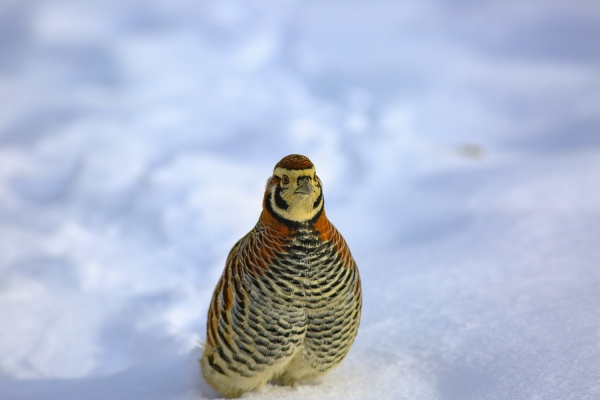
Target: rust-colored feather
294, 161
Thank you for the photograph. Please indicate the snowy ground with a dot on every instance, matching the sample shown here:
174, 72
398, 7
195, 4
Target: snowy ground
459, 146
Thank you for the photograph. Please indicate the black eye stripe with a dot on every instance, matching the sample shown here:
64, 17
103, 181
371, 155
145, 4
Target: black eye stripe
279, 201
318, 200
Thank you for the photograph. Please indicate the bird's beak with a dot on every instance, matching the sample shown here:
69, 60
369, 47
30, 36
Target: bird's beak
305, 188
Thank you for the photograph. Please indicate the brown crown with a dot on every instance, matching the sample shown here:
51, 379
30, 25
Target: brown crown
294, 161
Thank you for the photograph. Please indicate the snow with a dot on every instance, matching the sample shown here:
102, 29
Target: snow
459, 147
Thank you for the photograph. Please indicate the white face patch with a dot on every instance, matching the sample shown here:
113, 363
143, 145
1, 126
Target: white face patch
300, 206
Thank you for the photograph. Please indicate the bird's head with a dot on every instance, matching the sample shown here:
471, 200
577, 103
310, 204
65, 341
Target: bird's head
294, 191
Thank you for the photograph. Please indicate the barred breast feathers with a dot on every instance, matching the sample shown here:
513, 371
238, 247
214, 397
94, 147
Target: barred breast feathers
239, 334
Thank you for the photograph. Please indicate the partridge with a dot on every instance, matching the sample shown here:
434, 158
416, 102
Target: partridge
288, 304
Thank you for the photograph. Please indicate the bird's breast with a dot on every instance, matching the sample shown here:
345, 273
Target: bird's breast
308, 272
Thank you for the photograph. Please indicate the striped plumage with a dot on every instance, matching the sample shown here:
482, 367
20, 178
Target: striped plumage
288, 304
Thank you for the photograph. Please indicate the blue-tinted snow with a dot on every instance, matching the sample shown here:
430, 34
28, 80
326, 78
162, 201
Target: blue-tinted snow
458, 143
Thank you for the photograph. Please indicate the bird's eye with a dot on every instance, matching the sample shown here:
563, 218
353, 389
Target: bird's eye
285, 180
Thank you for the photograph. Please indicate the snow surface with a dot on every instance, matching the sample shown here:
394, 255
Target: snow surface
459, 146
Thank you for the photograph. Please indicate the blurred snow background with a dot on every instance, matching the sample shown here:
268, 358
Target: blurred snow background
458, 142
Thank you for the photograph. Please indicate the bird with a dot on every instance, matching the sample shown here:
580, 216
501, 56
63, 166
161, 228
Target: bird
287, 307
